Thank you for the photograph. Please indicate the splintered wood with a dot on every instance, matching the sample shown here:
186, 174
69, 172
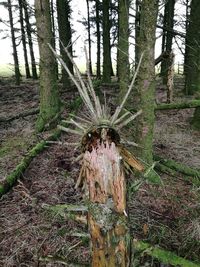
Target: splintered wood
105, 178
104, 182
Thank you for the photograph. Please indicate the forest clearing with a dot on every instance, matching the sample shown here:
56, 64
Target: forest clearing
101, 167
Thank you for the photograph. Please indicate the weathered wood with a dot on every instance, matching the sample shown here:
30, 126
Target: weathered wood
107, 218
188, 104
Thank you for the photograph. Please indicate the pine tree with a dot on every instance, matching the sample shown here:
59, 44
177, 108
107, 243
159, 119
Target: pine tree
49, 98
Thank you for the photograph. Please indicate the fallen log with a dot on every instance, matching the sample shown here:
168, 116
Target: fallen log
184, 105
12, 178
20, 115
180, 168
164, 257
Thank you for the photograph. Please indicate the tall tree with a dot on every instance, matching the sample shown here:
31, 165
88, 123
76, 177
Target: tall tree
106, 42
53, 29
167, 39
145, 87
30, 42
49, 98
192, 78
15, 55
137, 29
98, 32
123, 45
193, 60
65, 35
21, 17
89, 37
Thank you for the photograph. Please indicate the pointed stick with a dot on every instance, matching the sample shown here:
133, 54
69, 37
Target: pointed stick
68, 130
129, 119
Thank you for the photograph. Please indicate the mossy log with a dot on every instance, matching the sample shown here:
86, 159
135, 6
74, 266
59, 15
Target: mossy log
168, 164
165, 257
24, 114
188, 104
12, 178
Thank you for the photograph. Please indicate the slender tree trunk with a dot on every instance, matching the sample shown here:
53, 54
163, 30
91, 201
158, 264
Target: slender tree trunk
49, 98
89, 37
15, 56
106, 43
145, 87
123, 46
30, 42
187, 17
53, 30
137, 30
98, 40
21, 17
192, 78
167, 37
64, 29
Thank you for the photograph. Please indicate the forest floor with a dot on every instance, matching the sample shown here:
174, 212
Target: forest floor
167, 215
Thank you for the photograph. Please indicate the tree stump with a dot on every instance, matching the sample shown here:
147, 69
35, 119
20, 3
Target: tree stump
105, 188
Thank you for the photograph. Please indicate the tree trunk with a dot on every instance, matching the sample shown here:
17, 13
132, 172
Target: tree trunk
192, 82
21, 18
145, 87
89, 37
123, 46
106, 43
64, 28
15, 56
167, 37
30, 42
98, 40
49, 98
53, 30
107, 218
137, 30
187, 17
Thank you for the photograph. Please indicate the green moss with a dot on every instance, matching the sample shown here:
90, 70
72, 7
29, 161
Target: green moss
163, 256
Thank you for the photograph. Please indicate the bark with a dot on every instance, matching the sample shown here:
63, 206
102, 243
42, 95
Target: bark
167, 38
106, 43
49, 97
98, 39
196, 119
183, 105
192, 82
21, 18
123, 47
137, 30
30, 42
53, 30
106, 186
89, 38
187, 17
65, 35
15, 55
144, 94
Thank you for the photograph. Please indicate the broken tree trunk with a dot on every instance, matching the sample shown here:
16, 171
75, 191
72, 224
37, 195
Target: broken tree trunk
106, 186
